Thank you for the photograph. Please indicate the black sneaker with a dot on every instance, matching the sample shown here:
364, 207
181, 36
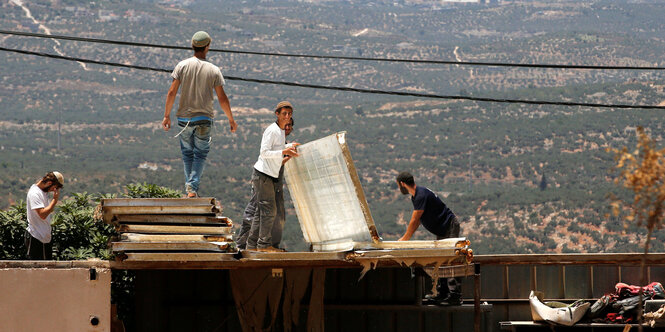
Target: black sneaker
432, 300
450, 300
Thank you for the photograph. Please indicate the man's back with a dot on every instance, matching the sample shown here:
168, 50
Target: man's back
198, 78
436, 215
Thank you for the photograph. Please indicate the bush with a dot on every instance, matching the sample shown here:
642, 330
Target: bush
76, 233
13, 223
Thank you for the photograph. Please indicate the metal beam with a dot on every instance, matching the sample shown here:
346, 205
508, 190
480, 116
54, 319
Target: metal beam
569, 259
170, 246
133, 237
204, 201
161, 229
171, 219
166, 209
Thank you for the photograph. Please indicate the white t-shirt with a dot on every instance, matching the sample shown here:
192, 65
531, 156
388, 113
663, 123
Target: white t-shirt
39, 228
270, 156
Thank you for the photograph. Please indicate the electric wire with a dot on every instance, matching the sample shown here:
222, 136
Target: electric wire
335, 57
348, 89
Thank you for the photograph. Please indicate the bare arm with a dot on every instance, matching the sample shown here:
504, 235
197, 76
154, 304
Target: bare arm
413, 225
45, 211
170, 100
226, 106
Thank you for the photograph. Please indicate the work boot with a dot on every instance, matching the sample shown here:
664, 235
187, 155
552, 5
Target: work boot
450, 300
430, 299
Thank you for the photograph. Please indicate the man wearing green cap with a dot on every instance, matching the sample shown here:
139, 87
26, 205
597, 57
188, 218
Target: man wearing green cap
198, 78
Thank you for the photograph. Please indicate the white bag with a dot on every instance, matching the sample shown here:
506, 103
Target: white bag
556, 312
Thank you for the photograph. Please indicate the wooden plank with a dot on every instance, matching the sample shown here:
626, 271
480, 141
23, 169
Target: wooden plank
115, 202
161, 229
178, 257
210, 210
569, 259
459, 242
549, 280
519, 281
134, 237
353, 174
605, 277
170, 246
577, 282
172, 219
299, 256
83, 264
442, 253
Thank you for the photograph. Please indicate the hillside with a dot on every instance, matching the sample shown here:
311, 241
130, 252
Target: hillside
523, 178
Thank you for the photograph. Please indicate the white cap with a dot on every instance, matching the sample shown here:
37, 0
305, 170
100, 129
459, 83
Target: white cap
61, 179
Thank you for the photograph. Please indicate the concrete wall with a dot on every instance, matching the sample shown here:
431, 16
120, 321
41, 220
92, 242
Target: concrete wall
37, 299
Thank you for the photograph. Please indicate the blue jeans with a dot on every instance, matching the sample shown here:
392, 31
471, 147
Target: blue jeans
194, 145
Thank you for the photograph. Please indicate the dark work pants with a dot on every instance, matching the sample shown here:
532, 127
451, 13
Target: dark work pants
260, 233
454, 285
36, 249
251, 210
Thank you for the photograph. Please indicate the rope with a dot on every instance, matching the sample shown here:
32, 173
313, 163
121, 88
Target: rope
312, 56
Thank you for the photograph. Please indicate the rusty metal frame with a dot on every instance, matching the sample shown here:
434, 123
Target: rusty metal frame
364, 207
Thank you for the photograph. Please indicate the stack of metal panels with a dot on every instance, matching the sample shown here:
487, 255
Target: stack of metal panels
169, 228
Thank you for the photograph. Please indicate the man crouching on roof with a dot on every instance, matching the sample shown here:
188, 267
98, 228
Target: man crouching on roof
266, 177
438, 219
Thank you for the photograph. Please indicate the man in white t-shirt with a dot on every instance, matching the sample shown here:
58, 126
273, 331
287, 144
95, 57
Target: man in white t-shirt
265, 179
200, 81
251, 209
39, 208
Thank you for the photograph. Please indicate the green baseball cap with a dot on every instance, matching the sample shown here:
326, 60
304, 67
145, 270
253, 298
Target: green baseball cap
201, 39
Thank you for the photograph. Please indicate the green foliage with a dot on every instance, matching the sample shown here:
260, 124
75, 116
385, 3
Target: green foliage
12, 232
147, 190
76, 234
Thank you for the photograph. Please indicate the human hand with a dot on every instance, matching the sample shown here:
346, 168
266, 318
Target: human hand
291, 151
56, 194
166, 123
233, 125
285, 159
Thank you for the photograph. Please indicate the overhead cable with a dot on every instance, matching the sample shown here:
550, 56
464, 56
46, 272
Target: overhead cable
359, 90
335, 57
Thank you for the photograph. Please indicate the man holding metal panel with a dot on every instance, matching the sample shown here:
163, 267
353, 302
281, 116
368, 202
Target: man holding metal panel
280, 218
265, 179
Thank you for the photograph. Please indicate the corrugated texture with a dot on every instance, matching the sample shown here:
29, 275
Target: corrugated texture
324, 194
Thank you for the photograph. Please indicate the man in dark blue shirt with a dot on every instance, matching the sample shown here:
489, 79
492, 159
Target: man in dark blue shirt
439, 220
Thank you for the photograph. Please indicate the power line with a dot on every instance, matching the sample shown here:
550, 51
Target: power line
312, 56
347, 89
